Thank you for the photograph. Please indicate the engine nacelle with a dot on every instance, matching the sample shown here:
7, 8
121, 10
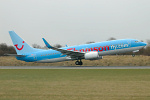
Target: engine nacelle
92, 56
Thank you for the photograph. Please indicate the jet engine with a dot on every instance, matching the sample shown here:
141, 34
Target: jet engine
92, 56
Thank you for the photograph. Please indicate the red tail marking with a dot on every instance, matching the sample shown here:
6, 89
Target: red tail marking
16, 45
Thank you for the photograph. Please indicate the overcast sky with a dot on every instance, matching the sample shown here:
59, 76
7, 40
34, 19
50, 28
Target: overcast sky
74, 22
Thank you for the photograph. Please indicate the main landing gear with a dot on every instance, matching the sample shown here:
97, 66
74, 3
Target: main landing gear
78, 62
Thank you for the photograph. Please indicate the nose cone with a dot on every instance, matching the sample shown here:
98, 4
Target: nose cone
143, 44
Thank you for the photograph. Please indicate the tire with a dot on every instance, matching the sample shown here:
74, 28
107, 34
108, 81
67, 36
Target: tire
133, 55
77, 62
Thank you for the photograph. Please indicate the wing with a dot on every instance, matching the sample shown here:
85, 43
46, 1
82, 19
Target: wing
72, 54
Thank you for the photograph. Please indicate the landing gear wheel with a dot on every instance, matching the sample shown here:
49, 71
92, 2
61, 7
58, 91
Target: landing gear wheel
133, 55
78, 63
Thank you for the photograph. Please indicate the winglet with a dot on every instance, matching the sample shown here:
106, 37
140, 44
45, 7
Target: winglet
47, 44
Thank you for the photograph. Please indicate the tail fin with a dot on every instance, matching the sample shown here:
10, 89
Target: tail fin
21, 46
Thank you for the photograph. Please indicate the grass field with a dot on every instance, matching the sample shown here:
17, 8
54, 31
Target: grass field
106, 61
75, 84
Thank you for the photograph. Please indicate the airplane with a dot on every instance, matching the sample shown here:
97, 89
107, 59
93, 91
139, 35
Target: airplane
93, 51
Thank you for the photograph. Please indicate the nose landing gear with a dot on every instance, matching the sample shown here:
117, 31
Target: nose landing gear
78, 62
133, 55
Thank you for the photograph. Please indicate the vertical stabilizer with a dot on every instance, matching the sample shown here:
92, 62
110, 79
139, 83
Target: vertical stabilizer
20, 45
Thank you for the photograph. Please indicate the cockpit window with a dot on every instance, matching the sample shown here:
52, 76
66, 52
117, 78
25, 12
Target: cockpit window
136, 41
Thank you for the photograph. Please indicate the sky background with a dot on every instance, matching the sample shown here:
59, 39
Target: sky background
74, 22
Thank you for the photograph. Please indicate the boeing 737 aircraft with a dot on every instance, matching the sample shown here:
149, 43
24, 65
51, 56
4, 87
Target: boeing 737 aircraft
93, 51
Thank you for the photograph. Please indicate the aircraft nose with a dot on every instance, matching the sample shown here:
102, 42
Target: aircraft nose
144, 44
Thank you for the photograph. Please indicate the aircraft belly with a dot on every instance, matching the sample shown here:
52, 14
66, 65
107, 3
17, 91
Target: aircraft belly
53, 60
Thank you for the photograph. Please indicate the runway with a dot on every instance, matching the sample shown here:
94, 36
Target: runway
74, 67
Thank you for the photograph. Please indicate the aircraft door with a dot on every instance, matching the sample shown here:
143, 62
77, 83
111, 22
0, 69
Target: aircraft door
129, 43
35, 57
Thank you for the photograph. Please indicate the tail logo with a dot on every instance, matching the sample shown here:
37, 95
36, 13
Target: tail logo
16, 45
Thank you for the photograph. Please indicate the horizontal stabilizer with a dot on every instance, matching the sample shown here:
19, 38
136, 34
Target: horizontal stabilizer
14, 55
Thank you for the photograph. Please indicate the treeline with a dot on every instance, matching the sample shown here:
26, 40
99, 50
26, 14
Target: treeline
5, 49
